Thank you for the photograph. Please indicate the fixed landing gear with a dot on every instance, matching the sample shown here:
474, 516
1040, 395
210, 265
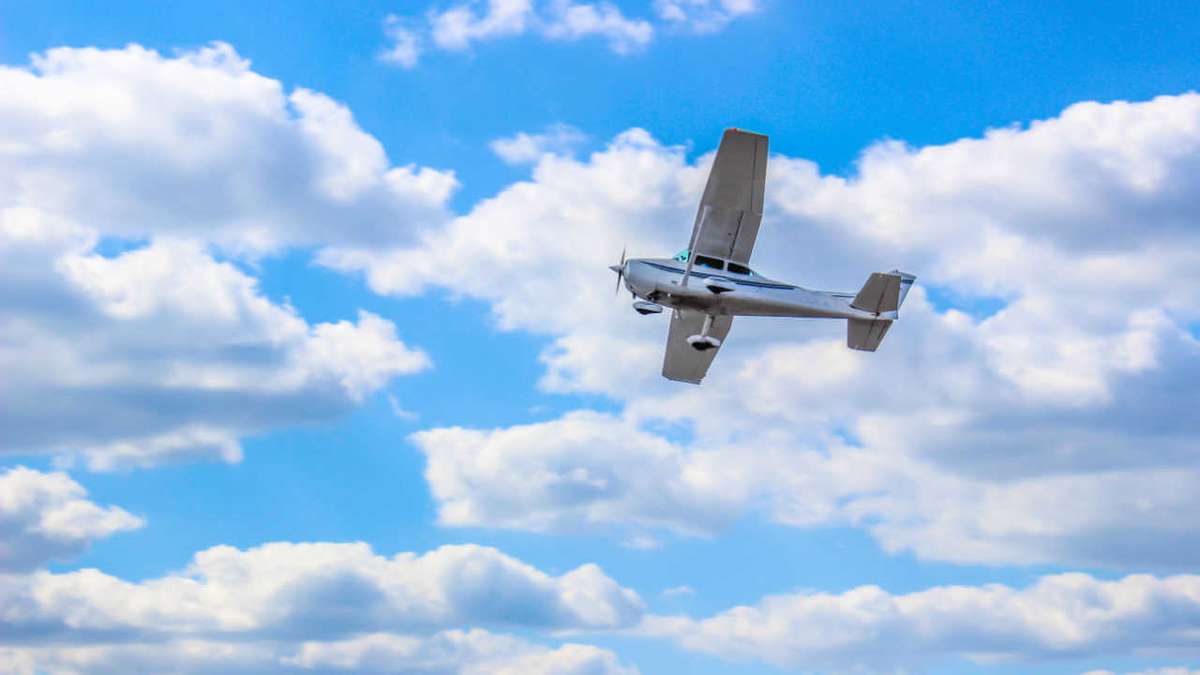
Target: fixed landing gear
644, 308
704, 342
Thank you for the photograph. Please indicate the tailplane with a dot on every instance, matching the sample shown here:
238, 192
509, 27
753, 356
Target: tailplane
882, 296
866, 334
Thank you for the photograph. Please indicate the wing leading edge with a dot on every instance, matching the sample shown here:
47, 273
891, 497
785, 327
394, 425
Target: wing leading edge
682, 362
731, 208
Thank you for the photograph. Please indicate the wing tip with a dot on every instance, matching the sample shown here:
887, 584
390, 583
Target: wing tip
745, 132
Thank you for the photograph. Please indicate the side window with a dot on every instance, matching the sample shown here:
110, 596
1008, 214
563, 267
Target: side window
706, 261
739, 269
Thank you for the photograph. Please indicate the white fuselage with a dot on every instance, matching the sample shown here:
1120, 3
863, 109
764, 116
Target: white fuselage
659, 280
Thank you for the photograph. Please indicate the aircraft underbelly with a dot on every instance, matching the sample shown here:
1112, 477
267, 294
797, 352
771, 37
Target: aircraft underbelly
744, 303
747, 299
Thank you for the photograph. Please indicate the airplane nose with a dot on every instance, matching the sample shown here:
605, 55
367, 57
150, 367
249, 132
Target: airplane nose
615, 268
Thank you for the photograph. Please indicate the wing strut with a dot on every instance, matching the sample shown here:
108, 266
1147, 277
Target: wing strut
687, 271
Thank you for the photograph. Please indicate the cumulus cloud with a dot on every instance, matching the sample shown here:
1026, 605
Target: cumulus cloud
454, 652
1044, 431
526, 148
318, 591
867, 628
46, 516
129, 341
162, 352
287, 607
134, 144
324, 607
474, 652
586, 468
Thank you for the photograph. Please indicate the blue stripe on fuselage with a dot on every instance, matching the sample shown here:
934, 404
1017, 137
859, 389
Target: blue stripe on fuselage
703, 275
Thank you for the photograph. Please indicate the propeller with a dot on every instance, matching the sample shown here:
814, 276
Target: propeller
620, 270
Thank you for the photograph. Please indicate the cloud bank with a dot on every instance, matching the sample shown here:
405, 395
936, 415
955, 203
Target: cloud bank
1042, 430
131, 186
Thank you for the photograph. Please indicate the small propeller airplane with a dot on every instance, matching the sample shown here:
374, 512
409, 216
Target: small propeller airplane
710, 282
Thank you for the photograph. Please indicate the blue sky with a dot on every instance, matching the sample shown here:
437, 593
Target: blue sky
269, 286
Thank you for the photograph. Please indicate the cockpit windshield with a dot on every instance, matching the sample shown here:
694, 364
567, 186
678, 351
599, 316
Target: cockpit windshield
714, 263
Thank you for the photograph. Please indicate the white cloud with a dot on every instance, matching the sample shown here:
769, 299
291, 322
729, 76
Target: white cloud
163, 353
45, 516
867, 628
453, 652
191, 657
678, 592
526, 148
318, 591
460, 26
404, 43
703, 16
474, 652
135, 145
585, 469
1046, 432
569, 20
288, 608
325, 607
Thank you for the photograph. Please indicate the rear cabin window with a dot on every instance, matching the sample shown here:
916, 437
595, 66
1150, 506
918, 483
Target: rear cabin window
706, 261
739, 269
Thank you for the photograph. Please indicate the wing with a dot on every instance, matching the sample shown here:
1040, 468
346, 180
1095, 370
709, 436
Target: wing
682, 362
731, 208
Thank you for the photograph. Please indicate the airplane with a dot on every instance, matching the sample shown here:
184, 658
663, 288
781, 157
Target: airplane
710, 282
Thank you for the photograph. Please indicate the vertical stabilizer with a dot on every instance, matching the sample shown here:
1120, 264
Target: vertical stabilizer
883, 293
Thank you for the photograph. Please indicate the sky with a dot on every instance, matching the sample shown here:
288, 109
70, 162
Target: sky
310, 360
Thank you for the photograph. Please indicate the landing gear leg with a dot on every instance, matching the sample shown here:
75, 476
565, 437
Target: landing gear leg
704, 342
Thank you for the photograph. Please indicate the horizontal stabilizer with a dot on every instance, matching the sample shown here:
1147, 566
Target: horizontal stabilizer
866, 334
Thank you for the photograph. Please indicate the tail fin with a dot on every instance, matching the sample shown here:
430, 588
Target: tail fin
883, 293
882, 296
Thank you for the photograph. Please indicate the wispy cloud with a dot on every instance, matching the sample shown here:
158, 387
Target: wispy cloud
703, 16
524, 148
460, 26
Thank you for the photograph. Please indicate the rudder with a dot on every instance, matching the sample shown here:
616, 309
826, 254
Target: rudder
883, 293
